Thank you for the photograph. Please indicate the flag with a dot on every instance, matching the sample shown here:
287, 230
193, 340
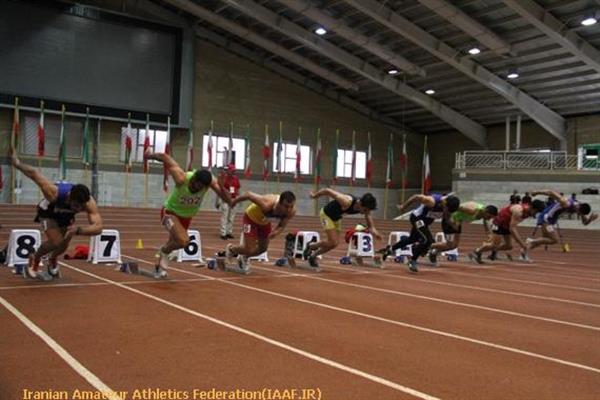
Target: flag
266, 154
334, 157
230, 147
16, 126
298, 146
248, 170
128, 144
369, 161
190, 149
62, 148
318, 157
147, 144
390, 163
1, 179
404, 164
279, 159
209, 146
426, 170
353, 164
85, 154
168, 152
41, 133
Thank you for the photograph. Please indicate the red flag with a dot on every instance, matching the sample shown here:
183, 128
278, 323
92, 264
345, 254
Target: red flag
41, 134
369, 161
404, 164
168, 152
16, 127
426, 170
147, 144
266, 154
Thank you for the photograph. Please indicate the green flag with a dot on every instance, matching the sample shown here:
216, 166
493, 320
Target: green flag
62, 148
85, 157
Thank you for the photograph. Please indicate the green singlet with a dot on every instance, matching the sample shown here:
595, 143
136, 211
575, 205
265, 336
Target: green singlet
459, 216
182, 202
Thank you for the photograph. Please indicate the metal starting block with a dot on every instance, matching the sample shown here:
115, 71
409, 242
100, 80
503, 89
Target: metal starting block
451, 255
237, 266
133, 268
359, 261
293, 249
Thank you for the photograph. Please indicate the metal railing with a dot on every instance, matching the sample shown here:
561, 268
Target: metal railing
553, 160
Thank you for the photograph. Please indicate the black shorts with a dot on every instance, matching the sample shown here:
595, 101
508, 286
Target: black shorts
61, 219
499, 230
448, 229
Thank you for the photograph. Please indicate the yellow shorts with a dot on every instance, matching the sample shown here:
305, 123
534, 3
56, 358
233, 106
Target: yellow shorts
328, 223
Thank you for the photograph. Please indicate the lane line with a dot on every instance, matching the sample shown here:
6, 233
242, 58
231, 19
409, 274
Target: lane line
407, 325
64, 354
276, 343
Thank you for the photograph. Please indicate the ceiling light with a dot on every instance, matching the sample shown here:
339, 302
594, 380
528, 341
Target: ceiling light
512, 75
591, 20
430, 91
393, 71
474, 51
320, 31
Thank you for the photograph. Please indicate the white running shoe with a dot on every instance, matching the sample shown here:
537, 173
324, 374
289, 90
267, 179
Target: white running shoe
160, 273
228, 253
163, 260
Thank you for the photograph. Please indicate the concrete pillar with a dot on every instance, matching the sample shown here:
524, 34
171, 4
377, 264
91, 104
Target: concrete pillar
518, 146
507, 146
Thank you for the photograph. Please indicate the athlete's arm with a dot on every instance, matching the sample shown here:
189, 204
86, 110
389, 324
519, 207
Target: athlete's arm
371, 226
94, 219
552, 194
220, 190
49, 189
516, 218
260, 200
588, 219
324, 192
282, 224
417, 198
174, 169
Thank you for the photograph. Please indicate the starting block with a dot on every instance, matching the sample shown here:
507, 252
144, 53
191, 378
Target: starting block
133, 268
359, 248
263, 257
294, 249
105, 247
451, 255
404, 252
238, 266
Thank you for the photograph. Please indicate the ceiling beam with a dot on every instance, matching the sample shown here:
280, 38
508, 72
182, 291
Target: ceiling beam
306, 8
462, 123
258, 40
469, 25
545, 117
551, 26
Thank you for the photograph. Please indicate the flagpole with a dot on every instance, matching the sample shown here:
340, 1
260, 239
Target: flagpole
86, 172
317, 173
297, 177
388, 178
13, 171
385, 201
405, 167
39, 155
423, 168
127, 162
265, 185
279, 153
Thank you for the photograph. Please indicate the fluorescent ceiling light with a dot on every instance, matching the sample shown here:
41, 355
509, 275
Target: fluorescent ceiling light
474, 51
589, 21
320, 31
512, 75
393, 71
430, 91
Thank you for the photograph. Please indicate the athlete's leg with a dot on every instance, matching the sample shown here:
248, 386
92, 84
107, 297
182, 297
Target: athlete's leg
331, 241
549, 237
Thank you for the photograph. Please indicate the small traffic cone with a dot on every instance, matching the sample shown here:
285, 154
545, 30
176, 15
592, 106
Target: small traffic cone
139, 244
566, 248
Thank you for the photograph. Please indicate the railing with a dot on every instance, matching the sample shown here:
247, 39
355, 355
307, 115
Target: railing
554, 160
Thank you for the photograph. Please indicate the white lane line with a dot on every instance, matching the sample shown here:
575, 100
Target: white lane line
407, 325
64, 354
276, 343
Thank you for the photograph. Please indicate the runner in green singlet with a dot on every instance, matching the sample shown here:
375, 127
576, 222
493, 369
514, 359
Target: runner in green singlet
452, 226
182, 204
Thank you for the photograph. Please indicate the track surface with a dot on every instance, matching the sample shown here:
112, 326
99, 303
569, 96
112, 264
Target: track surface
458, 331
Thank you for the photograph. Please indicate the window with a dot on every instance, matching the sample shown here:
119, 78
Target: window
344, 164
289, 158
73, 135
158, 142
219, 151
